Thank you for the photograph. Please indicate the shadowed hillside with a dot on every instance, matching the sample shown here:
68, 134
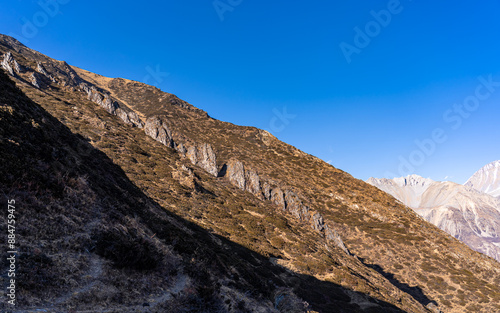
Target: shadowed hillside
300, 224
89, 239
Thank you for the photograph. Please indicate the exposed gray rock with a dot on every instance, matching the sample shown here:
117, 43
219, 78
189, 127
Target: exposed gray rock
6, 63
433, 308
203, 156
334, 237
181, 149
107, 104
287, 200
135, 119
41, 69
266, 190
84, 87
235, 172
34, 80
94, 96
111, 106
318, 222
252, 182
158, 130
294, 205
17, 67
123, 115
278, 198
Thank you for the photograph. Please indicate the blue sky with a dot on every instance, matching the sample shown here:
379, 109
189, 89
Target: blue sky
280, 66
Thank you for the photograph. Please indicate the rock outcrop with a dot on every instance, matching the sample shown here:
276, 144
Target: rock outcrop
129, 117
200, 154
284, 198
34, 80
10, 64
40, 69
203, 156
111, 106
6, 63
235, 172
156, 129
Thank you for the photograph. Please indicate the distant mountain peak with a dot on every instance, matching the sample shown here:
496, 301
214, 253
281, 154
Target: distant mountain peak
410, 180
487, 179
414, 180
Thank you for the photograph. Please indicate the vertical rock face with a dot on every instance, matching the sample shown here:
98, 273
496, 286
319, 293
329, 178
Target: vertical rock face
245, 179
34, 80
266, 190
182, 149
135, 119
278, 198
17, 67
156, 129
252, 181
40, 69
109, 105
130, 118
203, 156
331, 235
6, 63
294, 205
94, 96
236, 173
200, 154
318, 222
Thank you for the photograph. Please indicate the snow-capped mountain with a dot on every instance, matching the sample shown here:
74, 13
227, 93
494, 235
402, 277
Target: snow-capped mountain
487, 179
465, 213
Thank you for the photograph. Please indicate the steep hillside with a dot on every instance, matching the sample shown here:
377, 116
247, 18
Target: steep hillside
90, 240
466, 214
487, 179
348, 245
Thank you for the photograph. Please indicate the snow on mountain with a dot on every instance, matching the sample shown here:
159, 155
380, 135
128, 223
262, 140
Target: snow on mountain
487, 179
465, 213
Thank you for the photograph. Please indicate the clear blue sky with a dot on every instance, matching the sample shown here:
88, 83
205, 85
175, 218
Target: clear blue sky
264, 56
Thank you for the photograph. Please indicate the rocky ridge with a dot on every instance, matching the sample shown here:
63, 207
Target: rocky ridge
487, 179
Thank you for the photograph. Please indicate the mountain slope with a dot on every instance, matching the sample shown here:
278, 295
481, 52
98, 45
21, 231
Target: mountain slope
464, 213
487, 179
242, 184
89, 239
